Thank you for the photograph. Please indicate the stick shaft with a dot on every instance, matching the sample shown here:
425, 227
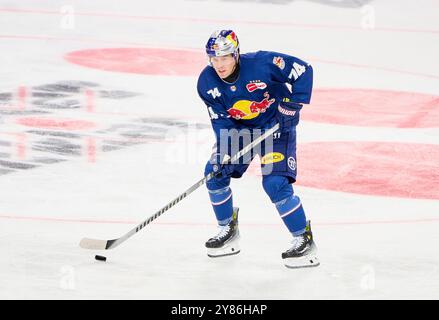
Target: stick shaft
88, 243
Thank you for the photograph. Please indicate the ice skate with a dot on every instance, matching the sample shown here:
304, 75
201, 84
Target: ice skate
303, 253
226, 242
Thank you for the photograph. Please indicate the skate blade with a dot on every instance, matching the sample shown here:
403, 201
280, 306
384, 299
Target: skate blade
228, 249
302, 262
307, 261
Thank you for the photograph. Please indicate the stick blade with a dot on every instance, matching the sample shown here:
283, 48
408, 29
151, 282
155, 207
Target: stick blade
93, 244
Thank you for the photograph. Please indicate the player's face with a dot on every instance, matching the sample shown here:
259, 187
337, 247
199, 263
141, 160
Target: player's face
224, 66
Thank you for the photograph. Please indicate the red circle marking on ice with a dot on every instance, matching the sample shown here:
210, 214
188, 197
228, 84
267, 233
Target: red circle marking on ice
372, 168
151, 61
373, 108
56, 123
354, 107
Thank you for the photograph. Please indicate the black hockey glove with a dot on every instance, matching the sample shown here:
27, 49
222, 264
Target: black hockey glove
287, 114
221, 165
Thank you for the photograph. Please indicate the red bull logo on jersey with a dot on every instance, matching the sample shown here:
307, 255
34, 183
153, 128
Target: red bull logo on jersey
246, 110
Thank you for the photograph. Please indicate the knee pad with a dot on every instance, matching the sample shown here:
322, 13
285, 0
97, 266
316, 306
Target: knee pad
277, 187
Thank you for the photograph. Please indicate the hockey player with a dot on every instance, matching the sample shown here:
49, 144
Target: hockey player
255, 91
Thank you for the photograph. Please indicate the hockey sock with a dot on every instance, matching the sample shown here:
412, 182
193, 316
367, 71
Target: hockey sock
222, 203
288, 205
293, 215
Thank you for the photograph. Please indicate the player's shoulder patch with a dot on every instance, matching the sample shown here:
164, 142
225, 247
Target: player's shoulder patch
279, 62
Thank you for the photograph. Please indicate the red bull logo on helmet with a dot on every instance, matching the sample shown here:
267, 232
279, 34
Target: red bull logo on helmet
246, 110
232, 38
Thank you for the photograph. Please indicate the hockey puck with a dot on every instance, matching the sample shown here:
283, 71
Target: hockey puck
100, 258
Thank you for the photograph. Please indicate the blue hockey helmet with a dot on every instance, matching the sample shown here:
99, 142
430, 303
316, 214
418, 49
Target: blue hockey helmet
222, 43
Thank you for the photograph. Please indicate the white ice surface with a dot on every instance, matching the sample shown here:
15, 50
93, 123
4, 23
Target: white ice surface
369, 247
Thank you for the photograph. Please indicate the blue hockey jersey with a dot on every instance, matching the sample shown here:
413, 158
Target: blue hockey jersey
251, 101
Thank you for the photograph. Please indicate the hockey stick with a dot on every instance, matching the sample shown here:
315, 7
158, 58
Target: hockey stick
96, 244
